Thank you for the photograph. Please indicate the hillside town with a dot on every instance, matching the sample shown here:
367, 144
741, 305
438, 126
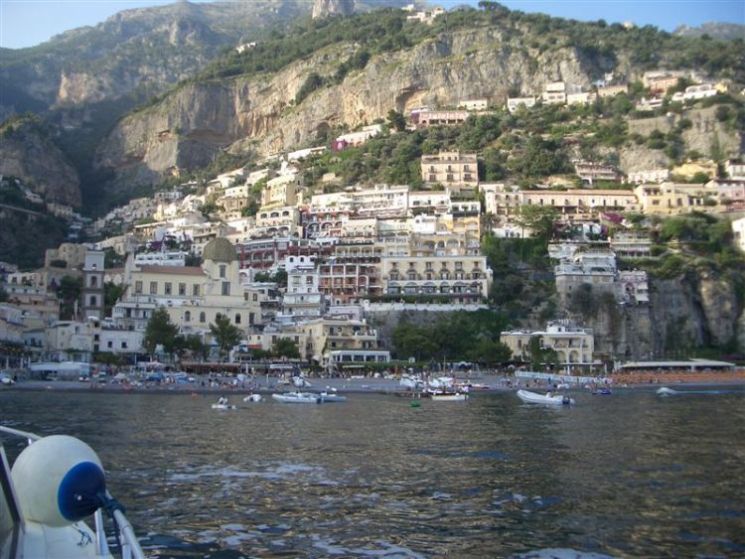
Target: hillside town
304, 273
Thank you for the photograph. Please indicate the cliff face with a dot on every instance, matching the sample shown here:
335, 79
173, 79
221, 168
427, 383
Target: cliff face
694, 310
324, 8
135, 52
259, 112
26, 153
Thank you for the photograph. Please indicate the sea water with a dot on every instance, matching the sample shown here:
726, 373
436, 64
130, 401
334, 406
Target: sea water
627, 475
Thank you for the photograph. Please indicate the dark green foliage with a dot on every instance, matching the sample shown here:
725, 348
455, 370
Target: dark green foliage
285, 347
541, 158
3, 295
111, 294
397, 120
226, 334
312, 82
68, 293
160, 331
191, 344
460, 336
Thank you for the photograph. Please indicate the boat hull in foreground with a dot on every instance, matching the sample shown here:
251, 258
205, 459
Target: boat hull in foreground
298, 398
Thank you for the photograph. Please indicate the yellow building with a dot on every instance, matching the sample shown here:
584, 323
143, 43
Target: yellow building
675, 198
193, 296
574, 346
452, 169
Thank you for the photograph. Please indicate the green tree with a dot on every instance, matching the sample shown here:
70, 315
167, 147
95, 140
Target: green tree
397, 120
160, 331
226, 334
538, 218
68, 292
111, 294
192, 344
285, 347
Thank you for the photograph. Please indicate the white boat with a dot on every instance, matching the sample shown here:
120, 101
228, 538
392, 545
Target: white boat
665, 391
534, 398
298, 398
224, 407
253, 398
449, 397
55, 483
332, 397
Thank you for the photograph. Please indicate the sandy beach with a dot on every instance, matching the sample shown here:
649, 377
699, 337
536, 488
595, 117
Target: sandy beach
265, 385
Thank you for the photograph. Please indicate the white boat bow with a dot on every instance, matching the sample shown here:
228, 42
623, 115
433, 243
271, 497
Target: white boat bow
550, 399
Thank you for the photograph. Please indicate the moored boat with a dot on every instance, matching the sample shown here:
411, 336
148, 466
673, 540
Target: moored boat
551, 399
224, 407
332, 397
55, 483
253, 398
298, 398
449, 397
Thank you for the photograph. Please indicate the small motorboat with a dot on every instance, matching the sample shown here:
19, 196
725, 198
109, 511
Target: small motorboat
665, 391
551, 399
602, 392
332, 397
54, 484
253, 398
449, 396
298, 398
224, 407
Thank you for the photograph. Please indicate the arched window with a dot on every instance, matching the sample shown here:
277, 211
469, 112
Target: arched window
202, 317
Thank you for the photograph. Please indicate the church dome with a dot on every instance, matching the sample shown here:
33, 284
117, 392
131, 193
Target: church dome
220, 250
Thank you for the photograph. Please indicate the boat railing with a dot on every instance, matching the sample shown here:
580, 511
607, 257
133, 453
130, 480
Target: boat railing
130, 546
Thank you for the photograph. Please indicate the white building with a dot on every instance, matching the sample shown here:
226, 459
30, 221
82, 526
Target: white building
514, 103
555, 93
574, 345
738, 228
735, 169
649, 176
474, 104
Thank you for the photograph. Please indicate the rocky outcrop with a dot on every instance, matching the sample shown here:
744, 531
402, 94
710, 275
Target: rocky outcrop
259, 112
705, 131
135, 52
26, 153
695, 310
325, 8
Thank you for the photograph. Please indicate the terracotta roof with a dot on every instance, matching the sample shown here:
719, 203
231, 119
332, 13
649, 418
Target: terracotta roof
175, 270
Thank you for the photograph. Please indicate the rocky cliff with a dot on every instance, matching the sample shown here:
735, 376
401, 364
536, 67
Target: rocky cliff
258, 112
324, 8
698, 309
26, 152
135, 52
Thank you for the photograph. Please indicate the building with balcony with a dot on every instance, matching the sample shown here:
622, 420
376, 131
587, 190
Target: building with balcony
676, 198
193, 296
574, 345
427, 118
595, 267
463, 279
344, 341
452, 169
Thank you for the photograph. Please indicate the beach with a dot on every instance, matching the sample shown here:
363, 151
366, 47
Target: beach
203, 384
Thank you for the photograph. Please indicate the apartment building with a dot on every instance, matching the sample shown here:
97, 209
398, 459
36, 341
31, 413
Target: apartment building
461, 279
452, 169
514, 103
573, 344
675, 198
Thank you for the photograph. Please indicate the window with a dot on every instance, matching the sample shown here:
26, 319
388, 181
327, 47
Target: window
222, 270
237, 318
202, 317
124, 345
153, 288
255, 297
187, 316
94, 281
110, 344
93, 301
168, 288
182, 289
195, 290
138, 287
226, 288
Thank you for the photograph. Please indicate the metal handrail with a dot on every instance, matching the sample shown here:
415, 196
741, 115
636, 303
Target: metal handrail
130, 545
